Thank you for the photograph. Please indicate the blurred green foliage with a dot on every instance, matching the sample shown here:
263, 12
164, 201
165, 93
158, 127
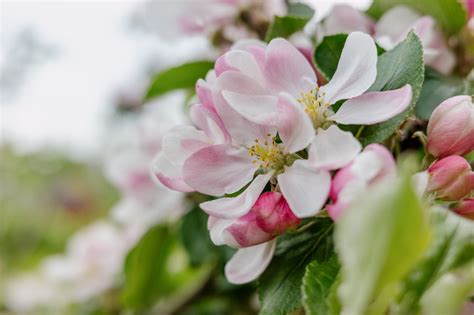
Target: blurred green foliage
44, 198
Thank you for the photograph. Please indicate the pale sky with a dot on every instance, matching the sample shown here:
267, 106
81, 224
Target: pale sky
65, 100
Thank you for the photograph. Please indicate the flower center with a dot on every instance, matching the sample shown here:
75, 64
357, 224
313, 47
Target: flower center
316, 108
268, 154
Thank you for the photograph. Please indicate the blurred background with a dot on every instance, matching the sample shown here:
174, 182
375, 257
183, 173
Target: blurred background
72, 75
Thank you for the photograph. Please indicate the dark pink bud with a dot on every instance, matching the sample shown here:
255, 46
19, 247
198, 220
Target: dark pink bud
273, 214
466, 208
451, 178
451, 127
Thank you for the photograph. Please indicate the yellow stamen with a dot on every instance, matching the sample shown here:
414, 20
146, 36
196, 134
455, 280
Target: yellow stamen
316, 107
269, 155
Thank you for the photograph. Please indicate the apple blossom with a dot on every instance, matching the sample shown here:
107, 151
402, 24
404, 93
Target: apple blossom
223, 169
451, 178
465, 208
27, 293
266, 85
372, 165
92, 262
451, 127
182, 141
391, 29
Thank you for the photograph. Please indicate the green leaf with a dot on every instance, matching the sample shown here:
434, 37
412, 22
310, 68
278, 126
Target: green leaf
158, 268
451, 248
437, 88
328, 53
450, 14
395, 68
318, 281
280, 285
284, 26
299, 9
182, 77
450, 292
195, 237
378, 241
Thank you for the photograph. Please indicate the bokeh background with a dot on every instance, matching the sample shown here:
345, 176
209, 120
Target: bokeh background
72, 75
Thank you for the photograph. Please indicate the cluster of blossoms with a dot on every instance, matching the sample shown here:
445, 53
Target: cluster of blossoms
93, 261
450, 136
224, 21
269, 144
264, 125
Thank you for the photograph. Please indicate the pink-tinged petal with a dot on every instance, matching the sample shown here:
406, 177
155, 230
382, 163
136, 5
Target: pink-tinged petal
396, 22
261, 109
204, 93
373, 107
333, 148
242, 130
339, 181
168, 174
231, 208
344, 18
424, 28
249, 263
217, 231
356, 70
451, 127
335, 210
245, 232
182, 141
304, 188
294, 125
444, 61
240, 61
286, 69
380, 158
218, 170
208, 120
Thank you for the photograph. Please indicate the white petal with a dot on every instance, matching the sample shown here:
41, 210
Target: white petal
420, 182
217, 231
304, 188
294, 125
356, 70
249, 263
333, 148
260, 109
229, 208
374, 107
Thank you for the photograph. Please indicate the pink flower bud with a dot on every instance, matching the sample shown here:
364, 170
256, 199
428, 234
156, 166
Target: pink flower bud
269, 217
451, 178
466, 208
451, 127
273, 213
375, 163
